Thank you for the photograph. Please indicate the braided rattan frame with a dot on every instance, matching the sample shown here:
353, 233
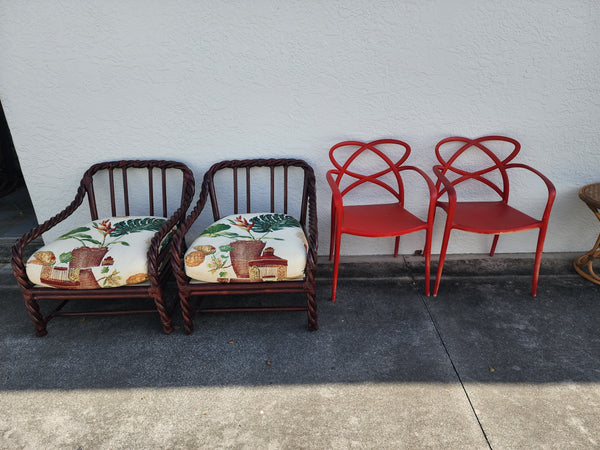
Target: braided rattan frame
158, 267
308, 220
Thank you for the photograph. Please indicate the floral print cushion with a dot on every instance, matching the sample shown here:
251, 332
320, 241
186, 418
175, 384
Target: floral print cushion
248, 248
105, 253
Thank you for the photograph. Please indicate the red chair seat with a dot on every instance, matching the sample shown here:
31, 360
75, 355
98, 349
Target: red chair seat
383, 220
489, 217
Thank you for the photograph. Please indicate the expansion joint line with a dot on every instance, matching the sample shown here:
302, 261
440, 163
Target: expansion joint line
416, 284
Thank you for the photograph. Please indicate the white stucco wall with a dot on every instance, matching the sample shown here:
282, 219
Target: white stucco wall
201, 81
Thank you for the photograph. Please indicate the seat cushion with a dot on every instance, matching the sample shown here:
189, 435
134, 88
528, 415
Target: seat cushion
105, 253
248, 248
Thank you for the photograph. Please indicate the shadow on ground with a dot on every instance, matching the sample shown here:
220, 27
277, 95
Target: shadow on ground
482, 329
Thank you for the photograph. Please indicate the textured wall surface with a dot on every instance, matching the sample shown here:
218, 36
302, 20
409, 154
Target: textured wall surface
201, 81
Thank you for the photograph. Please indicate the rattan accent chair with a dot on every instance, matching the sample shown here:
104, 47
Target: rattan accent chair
125, 183
257, 194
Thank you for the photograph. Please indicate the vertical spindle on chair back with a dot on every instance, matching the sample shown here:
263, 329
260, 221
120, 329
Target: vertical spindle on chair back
260, 175
121, 174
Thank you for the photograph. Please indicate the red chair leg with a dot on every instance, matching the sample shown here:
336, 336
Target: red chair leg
332, 234
538, 260
427, 253
494, 243
336, 264
396, 246
442, 258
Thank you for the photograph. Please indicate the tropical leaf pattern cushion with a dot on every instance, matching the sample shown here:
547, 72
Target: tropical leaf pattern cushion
248, 248
105, 253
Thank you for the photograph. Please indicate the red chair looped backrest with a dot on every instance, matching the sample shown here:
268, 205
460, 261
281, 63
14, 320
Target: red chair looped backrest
464, 175
343, 170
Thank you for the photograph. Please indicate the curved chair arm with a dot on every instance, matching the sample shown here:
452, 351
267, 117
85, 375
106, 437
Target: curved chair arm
449, 188
312, 229
179, 246
19, 246
430, 185
156, 256
546, 180
338, 201
177, 218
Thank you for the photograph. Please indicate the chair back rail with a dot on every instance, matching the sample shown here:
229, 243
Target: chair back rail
344, 166
154, 205
454, 175
278, 169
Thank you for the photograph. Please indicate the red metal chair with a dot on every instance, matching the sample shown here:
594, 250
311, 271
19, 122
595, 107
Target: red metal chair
487, 217
374, 220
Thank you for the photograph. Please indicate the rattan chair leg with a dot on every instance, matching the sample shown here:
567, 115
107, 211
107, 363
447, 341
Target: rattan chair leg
39, 323
312, 312
187, 313
164, 313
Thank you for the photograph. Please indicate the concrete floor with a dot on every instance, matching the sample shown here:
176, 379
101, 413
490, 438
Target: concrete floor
16, 218
483, 365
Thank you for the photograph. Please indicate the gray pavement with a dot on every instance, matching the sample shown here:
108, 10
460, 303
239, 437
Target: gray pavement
481, 365
16, 214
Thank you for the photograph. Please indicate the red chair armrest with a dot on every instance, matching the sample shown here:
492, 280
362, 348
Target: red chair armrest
448, 187
335, 189
547, 182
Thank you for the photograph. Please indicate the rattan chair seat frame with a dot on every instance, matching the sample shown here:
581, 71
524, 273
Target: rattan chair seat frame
307, 219
158, 261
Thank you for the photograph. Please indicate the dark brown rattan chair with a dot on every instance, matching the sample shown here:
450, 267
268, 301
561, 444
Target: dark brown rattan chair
168, 176
271, 179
